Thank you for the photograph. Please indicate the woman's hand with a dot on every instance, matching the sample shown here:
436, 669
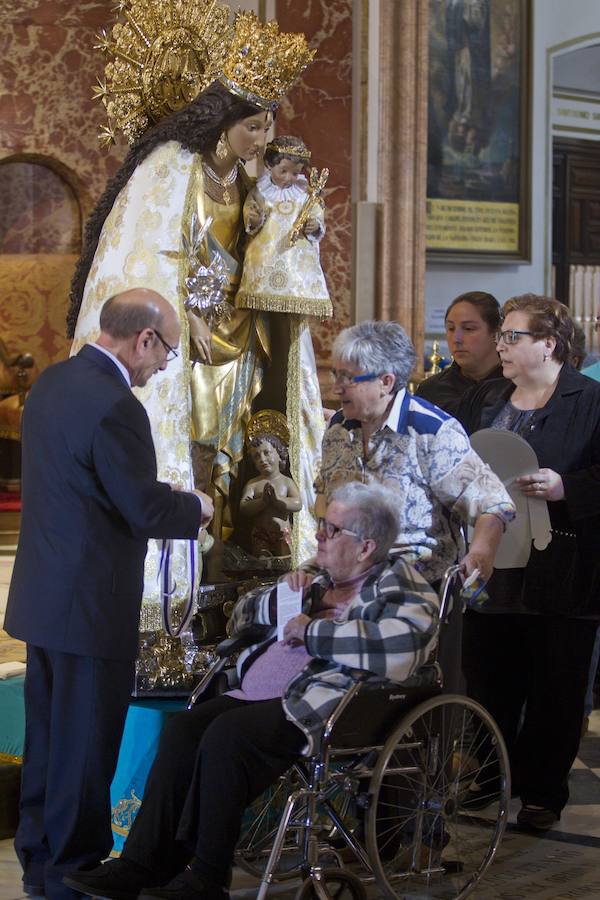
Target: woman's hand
545, 484
298, 580
254, 217
484, 544
295, 629
201, 337
478, 560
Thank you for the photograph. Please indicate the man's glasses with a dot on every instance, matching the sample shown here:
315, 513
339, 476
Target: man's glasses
344, 379
511, 336
171, 351
331, 531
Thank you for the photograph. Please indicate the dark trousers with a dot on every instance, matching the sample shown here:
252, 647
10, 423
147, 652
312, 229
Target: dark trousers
212, 762
538, 664
75, 708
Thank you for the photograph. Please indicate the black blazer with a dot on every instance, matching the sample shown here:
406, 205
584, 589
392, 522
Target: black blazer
90, 502
565, 434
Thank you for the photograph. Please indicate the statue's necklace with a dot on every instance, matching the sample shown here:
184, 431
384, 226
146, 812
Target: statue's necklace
225, 182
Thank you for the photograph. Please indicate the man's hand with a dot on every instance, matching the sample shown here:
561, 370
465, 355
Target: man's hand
208, 509
201, 337
295, 629
253, 216
298, 580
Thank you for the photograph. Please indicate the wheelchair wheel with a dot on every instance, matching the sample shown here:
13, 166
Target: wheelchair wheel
338, 884
438, 801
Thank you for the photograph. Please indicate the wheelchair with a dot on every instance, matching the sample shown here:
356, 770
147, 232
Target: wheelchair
408, 794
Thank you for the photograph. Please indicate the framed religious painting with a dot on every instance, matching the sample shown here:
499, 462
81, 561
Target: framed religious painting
478, 185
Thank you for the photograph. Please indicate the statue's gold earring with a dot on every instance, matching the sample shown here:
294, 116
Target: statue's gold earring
222, 146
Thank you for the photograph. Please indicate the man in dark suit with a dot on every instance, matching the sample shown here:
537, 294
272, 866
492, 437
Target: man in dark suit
91, 500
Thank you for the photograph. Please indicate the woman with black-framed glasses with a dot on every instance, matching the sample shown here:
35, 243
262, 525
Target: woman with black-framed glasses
542, 617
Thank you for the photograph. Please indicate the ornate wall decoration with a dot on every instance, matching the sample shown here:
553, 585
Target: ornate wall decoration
34, 290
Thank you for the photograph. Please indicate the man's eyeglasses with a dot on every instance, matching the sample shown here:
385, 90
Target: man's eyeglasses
331, 531
344, 379
511, 336
171, 351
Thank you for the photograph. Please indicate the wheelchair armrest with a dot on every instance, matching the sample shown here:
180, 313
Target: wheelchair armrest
251, 635
448, 584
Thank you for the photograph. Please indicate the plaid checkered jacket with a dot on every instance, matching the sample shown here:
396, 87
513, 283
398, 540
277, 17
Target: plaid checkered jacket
390, 632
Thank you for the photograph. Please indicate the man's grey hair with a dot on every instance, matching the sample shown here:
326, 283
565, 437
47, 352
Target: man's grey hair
123, 320
377, 347
373, 514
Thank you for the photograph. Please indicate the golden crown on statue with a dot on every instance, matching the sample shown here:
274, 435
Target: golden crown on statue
262, 64
268, 422
300, 151
166, 52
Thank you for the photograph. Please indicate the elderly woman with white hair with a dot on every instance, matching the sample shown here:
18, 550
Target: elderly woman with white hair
362, 612
422, 455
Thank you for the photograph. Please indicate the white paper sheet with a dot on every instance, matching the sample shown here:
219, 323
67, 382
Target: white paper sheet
289, 604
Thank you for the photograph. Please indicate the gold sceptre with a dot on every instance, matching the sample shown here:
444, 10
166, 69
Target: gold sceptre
316, 183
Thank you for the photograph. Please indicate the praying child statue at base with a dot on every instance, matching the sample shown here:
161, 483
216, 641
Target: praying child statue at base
271, 497
284, 218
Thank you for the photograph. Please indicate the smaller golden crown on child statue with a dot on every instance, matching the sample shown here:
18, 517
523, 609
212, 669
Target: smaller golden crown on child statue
268, 421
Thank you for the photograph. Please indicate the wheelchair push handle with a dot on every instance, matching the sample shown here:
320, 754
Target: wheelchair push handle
449, 579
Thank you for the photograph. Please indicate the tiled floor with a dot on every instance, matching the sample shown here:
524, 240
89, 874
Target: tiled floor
561, 865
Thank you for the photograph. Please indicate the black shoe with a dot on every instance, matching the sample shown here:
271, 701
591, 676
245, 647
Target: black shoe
186, 886
117, 879
536, 819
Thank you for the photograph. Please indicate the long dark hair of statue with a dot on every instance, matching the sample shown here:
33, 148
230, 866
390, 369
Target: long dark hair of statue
197, 127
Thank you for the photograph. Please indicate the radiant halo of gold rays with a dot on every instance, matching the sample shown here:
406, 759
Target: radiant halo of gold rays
162, 54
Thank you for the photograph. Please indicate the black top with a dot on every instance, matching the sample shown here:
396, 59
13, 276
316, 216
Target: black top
447, 388
563, 579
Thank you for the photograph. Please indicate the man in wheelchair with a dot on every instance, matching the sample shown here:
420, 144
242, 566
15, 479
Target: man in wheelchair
362, 611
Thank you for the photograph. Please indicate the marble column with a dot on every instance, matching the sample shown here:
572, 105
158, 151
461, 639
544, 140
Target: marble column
403, 48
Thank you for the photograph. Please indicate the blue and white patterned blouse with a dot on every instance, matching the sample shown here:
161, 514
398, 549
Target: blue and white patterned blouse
425, 458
